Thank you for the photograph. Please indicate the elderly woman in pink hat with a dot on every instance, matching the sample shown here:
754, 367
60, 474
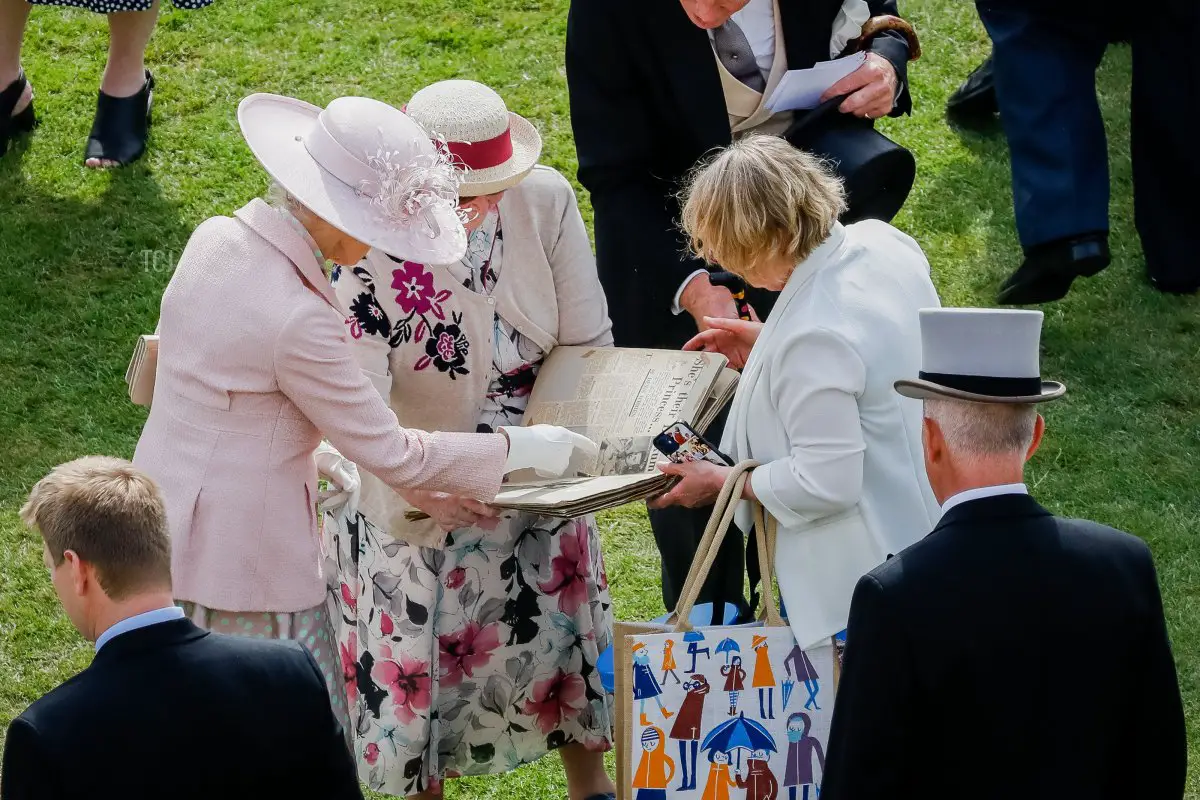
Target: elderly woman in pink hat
470, 639
255, 366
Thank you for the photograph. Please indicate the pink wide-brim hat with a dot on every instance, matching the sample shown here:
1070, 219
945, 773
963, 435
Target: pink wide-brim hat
364, 167
494, 148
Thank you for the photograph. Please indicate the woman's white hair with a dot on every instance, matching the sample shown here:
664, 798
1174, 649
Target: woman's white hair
974, 430
281, 198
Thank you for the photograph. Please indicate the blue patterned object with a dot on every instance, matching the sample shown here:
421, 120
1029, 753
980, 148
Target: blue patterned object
701, 616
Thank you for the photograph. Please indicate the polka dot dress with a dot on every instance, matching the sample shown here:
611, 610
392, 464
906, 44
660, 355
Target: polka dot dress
113, 6
313, 628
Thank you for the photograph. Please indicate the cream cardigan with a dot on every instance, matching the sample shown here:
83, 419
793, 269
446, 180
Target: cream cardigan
428, 343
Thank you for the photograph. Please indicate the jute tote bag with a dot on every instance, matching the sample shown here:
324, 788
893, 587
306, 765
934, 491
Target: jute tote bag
709, 713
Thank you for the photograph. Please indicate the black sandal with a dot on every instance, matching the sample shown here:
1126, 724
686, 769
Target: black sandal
12, 125
121, 126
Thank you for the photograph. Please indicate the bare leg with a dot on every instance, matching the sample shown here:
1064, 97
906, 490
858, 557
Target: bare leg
13, 16
125, 73
585, 772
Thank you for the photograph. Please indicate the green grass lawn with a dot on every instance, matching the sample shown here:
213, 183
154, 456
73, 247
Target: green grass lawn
85, 257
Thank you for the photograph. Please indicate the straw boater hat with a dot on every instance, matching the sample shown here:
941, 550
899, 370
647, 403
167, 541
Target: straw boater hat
363, 167
981, 355
495, 148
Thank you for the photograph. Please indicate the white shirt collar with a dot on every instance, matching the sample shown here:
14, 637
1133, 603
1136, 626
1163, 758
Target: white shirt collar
981, 492
143, 620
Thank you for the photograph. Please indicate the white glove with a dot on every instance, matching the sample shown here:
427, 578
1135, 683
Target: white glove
343, 475
548, 449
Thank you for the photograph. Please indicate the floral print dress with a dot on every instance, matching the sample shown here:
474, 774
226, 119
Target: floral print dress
479, 657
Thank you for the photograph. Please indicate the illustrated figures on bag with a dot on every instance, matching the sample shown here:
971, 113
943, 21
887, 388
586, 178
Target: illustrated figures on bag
798, 772
720, 779
656, 769
735, 681
764, 678
760, 783
798, 665
645, 685
752, 751
668, 664
694, 638
687, 728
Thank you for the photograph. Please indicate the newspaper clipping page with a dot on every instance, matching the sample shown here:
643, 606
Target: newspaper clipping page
621, 399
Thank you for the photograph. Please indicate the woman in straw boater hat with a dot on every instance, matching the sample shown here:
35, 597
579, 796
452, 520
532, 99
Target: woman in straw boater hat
254, 366
470, 632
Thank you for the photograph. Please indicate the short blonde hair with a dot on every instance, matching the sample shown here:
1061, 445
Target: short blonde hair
760, 200
112, 515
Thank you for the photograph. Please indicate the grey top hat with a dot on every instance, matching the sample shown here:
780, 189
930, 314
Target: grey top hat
981, 355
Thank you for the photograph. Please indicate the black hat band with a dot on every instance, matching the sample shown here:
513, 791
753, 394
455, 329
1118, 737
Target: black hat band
986, 385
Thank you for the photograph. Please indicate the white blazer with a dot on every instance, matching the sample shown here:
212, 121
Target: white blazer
843, 470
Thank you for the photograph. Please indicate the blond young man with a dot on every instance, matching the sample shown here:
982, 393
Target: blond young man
165, 709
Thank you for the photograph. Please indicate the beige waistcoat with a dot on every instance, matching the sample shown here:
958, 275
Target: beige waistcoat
746, 107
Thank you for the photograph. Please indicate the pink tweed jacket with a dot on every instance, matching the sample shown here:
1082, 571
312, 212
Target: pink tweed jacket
253, 367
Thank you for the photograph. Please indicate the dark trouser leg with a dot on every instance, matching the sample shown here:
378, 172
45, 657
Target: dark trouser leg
1166, 171
1046, 89
678, 531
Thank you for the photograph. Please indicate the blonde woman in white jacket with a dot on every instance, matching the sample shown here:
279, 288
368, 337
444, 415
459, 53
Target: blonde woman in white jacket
842, 469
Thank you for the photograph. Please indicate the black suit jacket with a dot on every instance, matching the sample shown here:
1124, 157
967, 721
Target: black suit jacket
646, 105
172, 711
1011, 653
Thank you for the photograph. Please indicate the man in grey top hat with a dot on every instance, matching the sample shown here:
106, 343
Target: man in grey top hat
1011, 652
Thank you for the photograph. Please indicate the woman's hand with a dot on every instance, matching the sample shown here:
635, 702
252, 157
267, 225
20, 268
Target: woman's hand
452, 512
732, 338
701, 483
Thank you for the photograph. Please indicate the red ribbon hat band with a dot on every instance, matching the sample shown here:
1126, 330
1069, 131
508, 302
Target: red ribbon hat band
483, 155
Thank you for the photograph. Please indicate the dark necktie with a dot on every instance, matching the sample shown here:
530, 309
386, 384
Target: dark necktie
734, 53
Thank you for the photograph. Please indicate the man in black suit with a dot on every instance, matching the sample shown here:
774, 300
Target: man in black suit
1011, 653
654, 87
1041, 77
165, 709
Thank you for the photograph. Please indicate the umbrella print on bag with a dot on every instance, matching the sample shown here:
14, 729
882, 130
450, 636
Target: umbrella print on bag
693, 638
799, 666
728, 647
736, 735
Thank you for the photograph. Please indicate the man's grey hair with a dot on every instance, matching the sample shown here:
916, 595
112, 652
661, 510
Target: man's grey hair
974, 430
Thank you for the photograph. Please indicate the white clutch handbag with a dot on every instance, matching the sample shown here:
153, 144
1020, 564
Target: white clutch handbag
142, 367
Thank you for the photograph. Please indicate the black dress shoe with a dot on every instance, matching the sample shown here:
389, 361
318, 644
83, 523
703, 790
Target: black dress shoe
1049, 269
974, 103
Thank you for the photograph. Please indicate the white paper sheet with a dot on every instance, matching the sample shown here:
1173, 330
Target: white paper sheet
802, 88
